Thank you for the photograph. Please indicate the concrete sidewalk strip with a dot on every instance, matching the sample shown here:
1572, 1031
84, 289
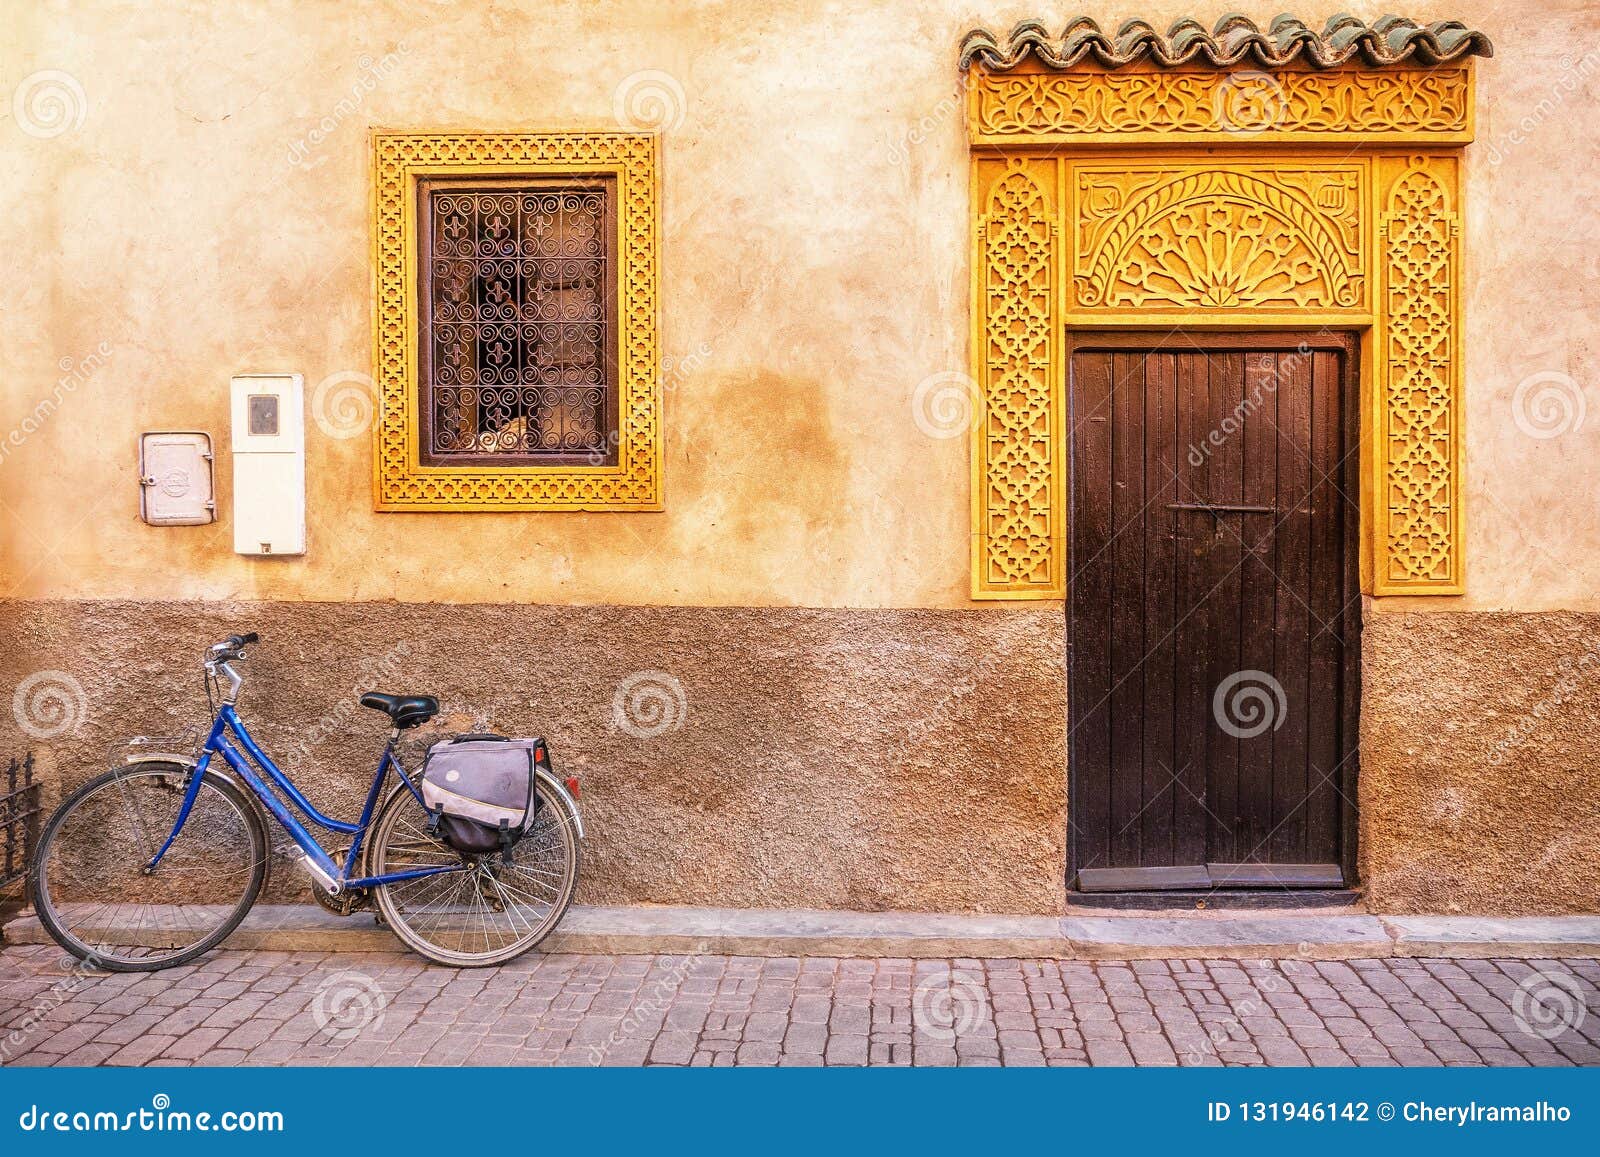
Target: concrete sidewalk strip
805, 932
793, 932
1535, 936
670, 930
1241, 937
270, 927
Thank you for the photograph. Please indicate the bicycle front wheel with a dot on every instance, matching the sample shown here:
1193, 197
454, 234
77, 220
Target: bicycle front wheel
92, 888
484, 911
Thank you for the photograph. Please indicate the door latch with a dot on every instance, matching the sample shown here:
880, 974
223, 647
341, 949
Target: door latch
1222, 508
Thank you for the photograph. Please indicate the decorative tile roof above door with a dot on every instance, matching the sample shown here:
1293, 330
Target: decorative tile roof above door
1235, 42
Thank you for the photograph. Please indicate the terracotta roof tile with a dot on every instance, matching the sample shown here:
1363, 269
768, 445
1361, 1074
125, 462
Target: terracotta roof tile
1235, 40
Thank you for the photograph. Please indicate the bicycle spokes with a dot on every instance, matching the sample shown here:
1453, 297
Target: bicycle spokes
94, 879
490, 907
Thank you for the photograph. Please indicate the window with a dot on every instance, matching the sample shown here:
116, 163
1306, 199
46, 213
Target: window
515, 318
518, 298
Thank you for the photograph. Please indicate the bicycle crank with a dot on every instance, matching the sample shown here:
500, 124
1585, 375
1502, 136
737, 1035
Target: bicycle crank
346, 903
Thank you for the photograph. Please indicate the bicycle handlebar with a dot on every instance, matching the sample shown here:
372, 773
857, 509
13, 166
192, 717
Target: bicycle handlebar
219, 660
233, 645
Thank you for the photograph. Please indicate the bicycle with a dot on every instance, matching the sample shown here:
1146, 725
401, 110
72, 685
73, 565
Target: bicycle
155, 862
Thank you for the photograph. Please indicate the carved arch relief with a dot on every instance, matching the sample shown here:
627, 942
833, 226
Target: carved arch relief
1267, 233
1219, 237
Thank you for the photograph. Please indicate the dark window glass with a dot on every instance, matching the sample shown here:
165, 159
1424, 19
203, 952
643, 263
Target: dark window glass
518, 332
263, 414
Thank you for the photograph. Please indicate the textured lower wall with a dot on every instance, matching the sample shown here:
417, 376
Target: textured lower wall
864, 759
1480, 772
834, 758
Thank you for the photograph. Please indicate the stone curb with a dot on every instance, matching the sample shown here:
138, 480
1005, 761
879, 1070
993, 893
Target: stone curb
793, 932
1536, 937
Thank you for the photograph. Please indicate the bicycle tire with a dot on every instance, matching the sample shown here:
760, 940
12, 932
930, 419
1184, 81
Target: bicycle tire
246, 807
403, 803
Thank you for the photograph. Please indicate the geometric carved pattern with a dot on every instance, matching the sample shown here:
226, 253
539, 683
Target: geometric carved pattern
401, 481
1259, 235
1210, 237
1015, 439
1332, 106
1419, 445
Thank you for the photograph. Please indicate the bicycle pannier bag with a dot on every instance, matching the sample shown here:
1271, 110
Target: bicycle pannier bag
479, 791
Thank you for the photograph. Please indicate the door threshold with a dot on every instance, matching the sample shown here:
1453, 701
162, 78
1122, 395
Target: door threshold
1229, 899
1210, 876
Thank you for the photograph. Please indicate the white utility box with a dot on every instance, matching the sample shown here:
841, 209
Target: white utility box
269, 464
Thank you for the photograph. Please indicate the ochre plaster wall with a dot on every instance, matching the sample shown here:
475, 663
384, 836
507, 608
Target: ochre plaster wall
813, 272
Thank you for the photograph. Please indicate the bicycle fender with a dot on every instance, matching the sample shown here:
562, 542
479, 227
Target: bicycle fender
560, 790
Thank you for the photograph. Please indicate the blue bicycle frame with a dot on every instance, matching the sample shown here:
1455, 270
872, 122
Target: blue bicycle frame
227, 725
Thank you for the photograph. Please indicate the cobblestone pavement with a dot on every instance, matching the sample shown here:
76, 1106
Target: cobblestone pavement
322, 1008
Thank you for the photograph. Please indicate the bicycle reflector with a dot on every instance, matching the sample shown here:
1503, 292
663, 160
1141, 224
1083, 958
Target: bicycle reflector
572, 786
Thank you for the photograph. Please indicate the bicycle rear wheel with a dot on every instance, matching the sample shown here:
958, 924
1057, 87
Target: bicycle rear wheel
487, 912
89, 881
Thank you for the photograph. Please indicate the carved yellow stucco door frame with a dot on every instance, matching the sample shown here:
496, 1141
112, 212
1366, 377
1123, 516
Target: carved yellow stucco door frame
1203, 197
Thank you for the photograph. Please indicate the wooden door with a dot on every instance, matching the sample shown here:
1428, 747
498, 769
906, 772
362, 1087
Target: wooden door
1213, 610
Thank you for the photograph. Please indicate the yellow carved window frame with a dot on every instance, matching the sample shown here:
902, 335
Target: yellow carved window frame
1080, 180
401, 481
